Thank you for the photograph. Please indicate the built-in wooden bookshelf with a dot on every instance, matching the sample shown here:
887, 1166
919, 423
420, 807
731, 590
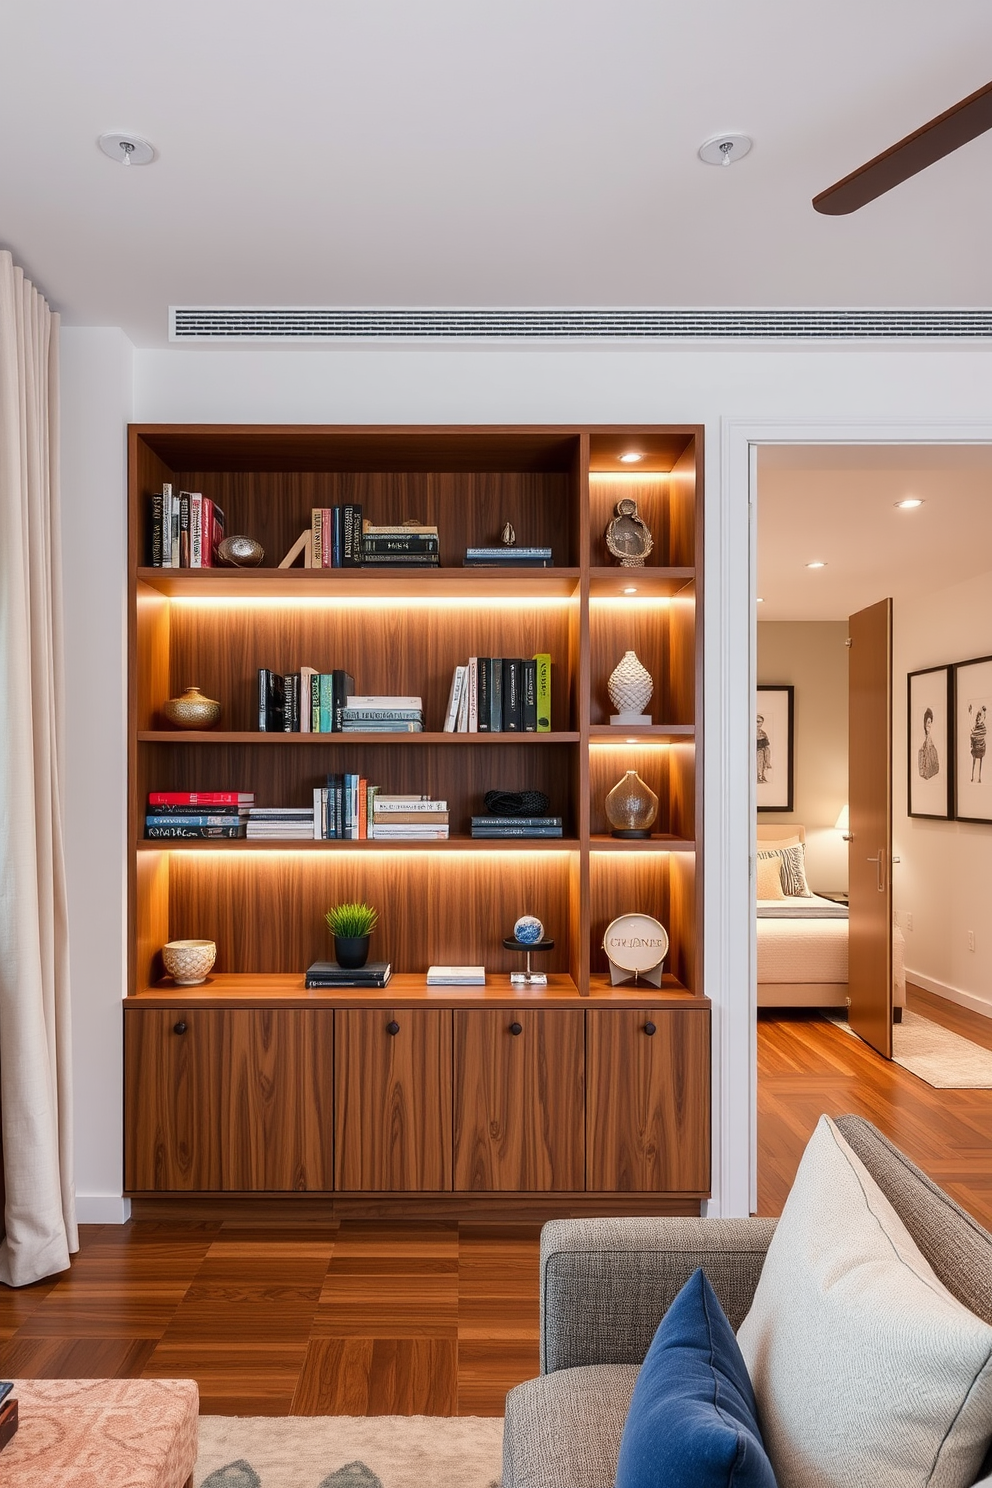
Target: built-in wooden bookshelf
448, 902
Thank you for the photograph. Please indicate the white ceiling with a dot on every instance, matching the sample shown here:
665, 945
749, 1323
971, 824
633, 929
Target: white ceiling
837, 504
457, 152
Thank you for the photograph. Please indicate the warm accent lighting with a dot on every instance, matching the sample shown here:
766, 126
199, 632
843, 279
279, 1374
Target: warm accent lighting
759, 600
632, 457
367, 601
909, 502
843, 822
817, 563
631, 590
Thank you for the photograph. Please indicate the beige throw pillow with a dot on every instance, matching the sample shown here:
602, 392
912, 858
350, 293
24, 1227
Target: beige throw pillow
865, 1369
770, 878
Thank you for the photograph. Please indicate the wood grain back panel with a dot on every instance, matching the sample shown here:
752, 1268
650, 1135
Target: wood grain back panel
651, 492
518, 1100
634, 883
392, 1107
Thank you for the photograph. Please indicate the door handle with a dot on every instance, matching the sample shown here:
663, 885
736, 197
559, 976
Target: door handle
880, 866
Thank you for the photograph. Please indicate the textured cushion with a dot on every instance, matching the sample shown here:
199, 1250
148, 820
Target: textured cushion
563, 1430
792, 867
769, 877
692, 1421
865, 1368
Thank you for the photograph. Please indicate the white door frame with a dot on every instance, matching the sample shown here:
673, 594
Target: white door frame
730, 643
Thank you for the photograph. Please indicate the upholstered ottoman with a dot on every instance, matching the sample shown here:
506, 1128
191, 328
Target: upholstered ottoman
102, 1434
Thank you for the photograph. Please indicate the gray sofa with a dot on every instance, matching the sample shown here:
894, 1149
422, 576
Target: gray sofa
605, 1284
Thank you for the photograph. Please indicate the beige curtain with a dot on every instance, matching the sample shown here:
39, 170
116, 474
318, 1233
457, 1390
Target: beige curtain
39, 1227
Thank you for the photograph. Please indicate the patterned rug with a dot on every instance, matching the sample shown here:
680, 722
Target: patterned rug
349, 1452
943, 1059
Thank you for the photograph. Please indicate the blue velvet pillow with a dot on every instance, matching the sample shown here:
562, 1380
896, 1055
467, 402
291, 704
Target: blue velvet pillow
693, 1422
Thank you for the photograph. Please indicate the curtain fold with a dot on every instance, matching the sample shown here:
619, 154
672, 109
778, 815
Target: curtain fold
38, 1222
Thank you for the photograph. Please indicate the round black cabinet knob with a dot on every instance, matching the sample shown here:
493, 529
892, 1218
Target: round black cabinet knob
393, 1028
650, 1028
179, 1027
516, 1028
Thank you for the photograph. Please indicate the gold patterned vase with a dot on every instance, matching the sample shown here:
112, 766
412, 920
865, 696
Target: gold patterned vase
631, 807
192, 710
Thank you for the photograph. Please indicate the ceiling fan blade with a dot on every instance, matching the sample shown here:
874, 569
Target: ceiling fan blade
965, 121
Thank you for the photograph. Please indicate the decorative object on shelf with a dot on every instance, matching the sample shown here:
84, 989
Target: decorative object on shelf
627, 535
630, 688
528, 936
631, 807
636, 945
516, 803
240, 552
774, 733
351, 925
303, 547
508, 536
191, 710
189, 961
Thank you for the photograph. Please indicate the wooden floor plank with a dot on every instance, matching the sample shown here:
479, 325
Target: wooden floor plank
379, 1377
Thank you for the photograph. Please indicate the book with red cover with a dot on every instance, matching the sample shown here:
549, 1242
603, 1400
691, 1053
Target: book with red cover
201, 798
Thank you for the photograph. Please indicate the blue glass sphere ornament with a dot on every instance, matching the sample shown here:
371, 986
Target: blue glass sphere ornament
528, 930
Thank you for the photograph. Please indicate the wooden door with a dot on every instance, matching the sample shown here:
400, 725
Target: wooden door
227, 1100
648, 1104
519, 1092
870, 845
392, 1100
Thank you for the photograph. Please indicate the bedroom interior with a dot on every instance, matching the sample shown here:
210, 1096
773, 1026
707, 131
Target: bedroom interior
838, 529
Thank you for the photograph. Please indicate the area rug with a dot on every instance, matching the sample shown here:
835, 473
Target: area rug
349, 1452
941, 1058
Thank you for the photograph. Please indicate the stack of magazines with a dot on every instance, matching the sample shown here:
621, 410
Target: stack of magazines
280, 821
383, 715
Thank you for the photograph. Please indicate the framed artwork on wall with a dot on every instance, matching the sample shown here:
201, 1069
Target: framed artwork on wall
973, 772
774, 754
929, 743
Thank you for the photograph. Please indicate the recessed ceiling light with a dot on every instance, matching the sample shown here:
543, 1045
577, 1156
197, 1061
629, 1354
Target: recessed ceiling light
759, 600
909, 502
724, 149
631, 457
817, 563
631, 590
127, 149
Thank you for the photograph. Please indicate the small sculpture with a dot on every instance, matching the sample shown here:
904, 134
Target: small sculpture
630, 688
528, 936
627, 535
192, 710
240, 552
528, 930
508, 535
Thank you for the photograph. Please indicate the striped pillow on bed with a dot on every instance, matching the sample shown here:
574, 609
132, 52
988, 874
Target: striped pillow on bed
792, 870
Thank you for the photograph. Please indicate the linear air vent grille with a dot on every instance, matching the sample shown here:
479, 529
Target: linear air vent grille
234, 323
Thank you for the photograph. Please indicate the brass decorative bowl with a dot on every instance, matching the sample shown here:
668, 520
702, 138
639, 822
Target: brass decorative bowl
240, 552
188, 961
192, 710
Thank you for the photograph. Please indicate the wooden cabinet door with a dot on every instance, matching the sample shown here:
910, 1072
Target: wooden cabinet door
227, 1099
648, 1109
518, 1100
392, 1100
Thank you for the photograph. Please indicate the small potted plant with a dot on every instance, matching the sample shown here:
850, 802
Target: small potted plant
351, 925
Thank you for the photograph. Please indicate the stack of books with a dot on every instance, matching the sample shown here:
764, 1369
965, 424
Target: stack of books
382, 715
408, 819
303, 702
516, 826
288, 822
499, 695
408, 545
197, 814
342, 809
336, 536
504, 557
330, 974
185, 529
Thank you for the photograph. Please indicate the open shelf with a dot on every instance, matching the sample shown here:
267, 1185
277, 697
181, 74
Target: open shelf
305, 844
661, 842
209, 736
294, 584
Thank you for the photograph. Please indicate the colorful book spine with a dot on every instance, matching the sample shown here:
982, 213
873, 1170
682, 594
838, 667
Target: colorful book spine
473, 694
201, 798
196, 529
263, 699
166, 524
207, 554
543, 661
454, 700
315, 704
528, 702
219, 529
171, 831
317, 537
512, 697
351, 536
336, 537
306, 700
496, 699
484, 692
155, 530
192, 819
325, 538
325, 713
184, 529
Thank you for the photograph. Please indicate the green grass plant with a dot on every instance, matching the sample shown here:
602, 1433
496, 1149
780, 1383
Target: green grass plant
352, 920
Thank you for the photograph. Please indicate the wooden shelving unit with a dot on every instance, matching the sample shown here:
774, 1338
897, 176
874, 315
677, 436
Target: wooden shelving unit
450, 902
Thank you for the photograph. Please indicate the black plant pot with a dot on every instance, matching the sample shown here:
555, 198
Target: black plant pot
352, 951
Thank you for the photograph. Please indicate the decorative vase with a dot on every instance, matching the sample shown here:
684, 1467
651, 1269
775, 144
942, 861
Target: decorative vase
630, 688
188, 961
192, 710
631, 807
240, 552
351, 951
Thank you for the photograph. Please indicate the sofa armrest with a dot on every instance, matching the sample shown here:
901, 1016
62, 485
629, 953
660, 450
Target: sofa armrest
606, 1283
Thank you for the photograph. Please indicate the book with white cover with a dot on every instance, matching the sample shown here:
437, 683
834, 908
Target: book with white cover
455, 698
456, 976
384, 805
384, 702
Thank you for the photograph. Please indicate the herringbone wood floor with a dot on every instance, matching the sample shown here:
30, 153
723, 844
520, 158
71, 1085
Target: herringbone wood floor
438, 1319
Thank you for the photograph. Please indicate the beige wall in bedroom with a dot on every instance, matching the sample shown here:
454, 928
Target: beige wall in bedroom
812, 656
943, 885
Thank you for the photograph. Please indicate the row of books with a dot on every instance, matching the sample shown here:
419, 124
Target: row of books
341, 538
197, 814
347, 808
330, 974
500, 694
186, 528
312, 702
351, 809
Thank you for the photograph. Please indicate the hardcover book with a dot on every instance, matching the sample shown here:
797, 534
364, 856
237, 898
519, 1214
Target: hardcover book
201, 798
513, 718
155, 530
528, 676
543, 661
330, 974
170, 830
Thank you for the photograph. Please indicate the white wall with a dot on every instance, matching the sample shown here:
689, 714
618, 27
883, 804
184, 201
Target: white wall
946, 870
96, 405
738, 394
812, 655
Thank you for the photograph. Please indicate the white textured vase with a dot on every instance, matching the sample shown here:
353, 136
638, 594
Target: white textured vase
630, 685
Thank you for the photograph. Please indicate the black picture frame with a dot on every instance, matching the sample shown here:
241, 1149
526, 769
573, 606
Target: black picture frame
775, 715
972, 767
930, 743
